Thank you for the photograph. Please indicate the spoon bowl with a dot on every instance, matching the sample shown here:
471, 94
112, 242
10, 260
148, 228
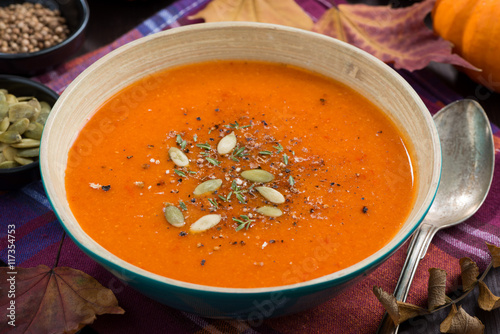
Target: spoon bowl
467, 170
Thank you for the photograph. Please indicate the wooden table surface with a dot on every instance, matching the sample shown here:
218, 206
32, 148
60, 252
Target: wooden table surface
109, 19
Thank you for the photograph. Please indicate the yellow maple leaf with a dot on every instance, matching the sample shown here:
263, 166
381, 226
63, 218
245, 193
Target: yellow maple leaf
284, 12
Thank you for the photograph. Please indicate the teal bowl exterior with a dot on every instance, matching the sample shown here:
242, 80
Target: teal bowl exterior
255, 304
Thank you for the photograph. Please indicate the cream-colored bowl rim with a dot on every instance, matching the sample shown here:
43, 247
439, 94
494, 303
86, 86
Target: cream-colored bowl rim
61, 208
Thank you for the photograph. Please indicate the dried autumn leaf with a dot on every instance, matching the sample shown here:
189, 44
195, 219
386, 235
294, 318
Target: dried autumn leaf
284, 12
436, 289
398, 311
459, 322
59, 300
397, 36
487, 300
495, 255
469, 274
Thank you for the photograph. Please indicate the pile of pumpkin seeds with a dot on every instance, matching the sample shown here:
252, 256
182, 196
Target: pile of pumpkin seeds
21, 123
258, 176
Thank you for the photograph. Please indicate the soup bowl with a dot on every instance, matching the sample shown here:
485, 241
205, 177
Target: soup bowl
238, 41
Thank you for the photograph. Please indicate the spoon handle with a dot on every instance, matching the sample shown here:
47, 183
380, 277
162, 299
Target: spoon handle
416, 251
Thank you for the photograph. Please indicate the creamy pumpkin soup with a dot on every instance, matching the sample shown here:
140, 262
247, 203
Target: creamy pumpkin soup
240, 174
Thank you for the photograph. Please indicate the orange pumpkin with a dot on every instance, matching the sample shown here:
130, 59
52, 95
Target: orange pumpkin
473, 26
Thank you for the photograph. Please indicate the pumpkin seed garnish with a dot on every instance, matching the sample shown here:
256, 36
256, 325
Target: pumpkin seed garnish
271, 195
174, 216
243, 223
257, 175
27, 143
227, 144
178, 157
207, 187
205, 223
269, 211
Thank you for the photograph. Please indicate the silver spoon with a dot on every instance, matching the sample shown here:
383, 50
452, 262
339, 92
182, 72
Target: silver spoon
467, 170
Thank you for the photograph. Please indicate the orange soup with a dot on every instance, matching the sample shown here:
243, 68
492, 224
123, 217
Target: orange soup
306, 176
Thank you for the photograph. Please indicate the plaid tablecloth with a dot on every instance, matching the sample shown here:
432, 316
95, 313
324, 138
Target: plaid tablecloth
356, 310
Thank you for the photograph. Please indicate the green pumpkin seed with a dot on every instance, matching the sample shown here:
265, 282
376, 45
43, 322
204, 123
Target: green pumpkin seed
26, 143
11, 99
257, 175
42, 118
10, 137
269, 211
29, 153
207, 187
20, 110
4, 109
271, 195
205, 223
2, 158
227, 144
37, 107
23, 161
44, 107
4, 125
8, 164
174, 216
9, 153
3, 92
178, 157
19, 126
34, 131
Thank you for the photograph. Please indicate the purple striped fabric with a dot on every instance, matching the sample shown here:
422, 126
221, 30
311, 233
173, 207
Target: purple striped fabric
356, 310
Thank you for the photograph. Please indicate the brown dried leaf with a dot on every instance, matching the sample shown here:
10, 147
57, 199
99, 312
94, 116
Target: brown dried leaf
459, 322
436, 289
59, 300
487, 300
470, 272
495, 255
397, 36
285, 12
398, 311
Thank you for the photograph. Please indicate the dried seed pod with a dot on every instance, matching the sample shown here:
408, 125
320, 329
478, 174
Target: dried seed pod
207, 187
10, 137
20, 110
8, 164
205, 223
4, 124
23, 161
271, 195
178, 157
269, 211
257, 175
34, 131
227, 144
9, 153
19, 126
174, 215
27, 143
28, 152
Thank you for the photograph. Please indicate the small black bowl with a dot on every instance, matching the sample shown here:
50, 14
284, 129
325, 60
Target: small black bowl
76, 13
18, 177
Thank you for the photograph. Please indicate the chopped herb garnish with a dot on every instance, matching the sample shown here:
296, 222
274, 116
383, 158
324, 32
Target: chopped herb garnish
179, 172
191, 172
238, 192
238, 153
291, 181
195, 138
265, 152
244, 222
285, 159
237, 126
213, 161
213, 202
182, 205
205, 146
279, 148
181, 142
